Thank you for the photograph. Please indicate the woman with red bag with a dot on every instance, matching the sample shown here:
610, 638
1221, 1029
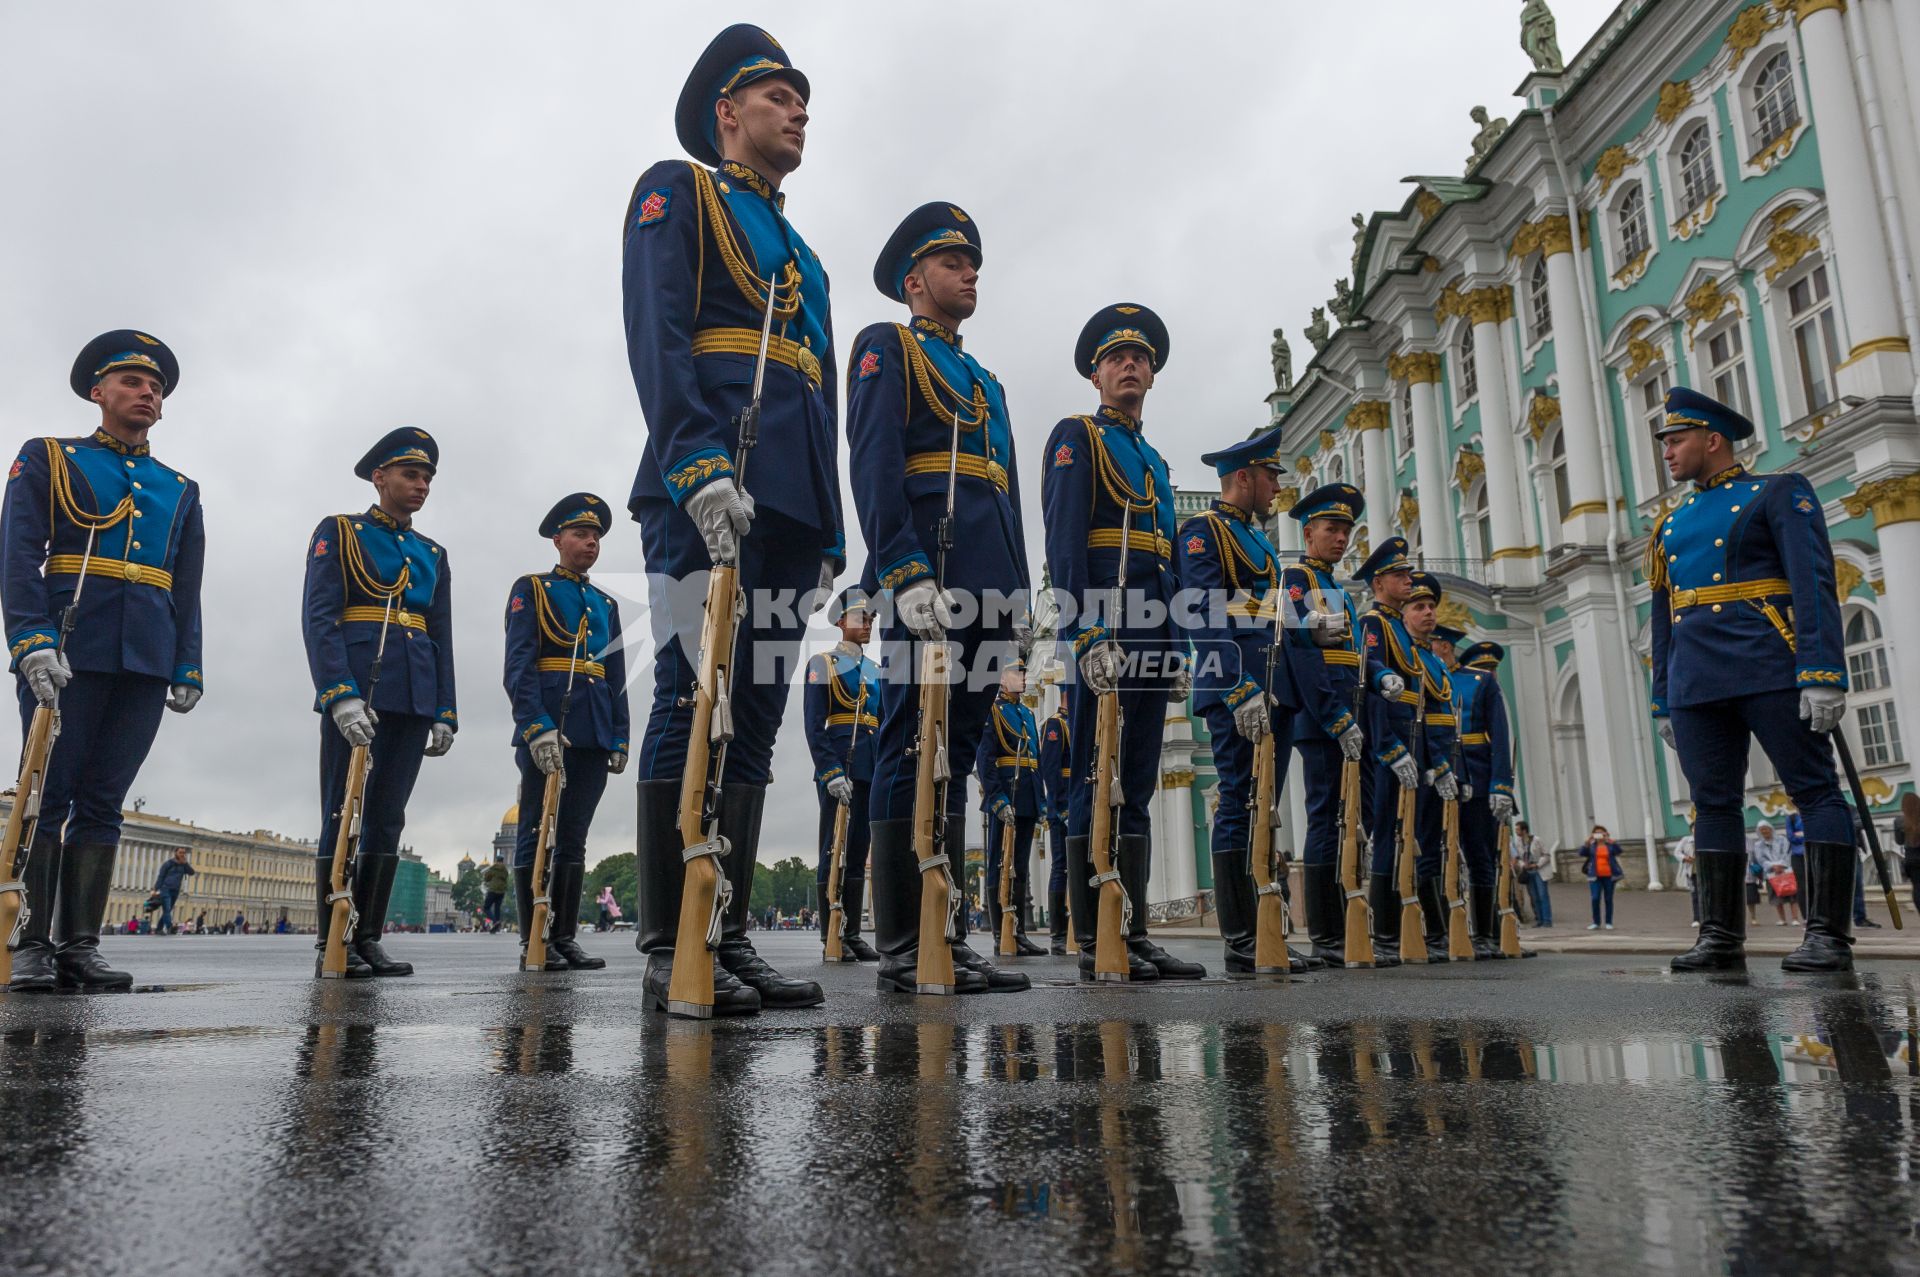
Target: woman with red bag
1774, 854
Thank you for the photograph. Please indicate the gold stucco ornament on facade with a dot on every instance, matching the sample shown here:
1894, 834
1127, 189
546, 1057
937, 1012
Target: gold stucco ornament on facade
1542, 412
1895, 500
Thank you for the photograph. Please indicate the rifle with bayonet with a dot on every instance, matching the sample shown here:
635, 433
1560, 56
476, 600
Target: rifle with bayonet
1359, 938
1509, 921
1009, 932
1866, 823
1270, 957
1459, 941
1114, 912
1413, 936
837, 865
535, 958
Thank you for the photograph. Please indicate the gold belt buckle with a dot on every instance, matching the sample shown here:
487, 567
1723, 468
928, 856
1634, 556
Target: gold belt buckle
131, 571
808, 363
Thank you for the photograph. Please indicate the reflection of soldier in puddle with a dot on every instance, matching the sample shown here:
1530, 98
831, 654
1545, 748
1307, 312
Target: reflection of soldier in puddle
43, 1088
537, 1122
1275, 1205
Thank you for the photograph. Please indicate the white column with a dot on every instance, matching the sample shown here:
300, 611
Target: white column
1906, 22
1878, 363
1175, 869
1895, 503
1580, 399
1430, 467
1489, 308
1607, 710
1379, 458
1898, 109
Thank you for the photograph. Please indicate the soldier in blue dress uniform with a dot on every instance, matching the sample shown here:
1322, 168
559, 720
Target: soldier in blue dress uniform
1008, 766
1224, 552
706, 244
907, 386
134, 647
1324, 649
842, 710
1056, 779
1102, 479
1486, 754
564, 647
367, 572
1410, 733
1747, 645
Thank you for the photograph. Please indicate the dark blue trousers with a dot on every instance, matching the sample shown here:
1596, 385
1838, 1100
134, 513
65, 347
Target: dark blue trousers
1320, 764
780, 559
1712, 741
107, 725
859, 833
1479, 840
1427, 827
1233, 759
979, 654
1022, 859
399, 744
1057, 849
586, 781
1143, 721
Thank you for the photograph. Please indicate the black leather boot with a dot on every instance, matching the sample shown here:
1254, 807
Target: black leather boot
1433, 911
1234, 904
1384, 898
1135, 853
1481, 925
1057, 922
853, 897
1023, 891
967, 958
523, 899
372, 889
1722, 942
34, 969
741, 807
1326, 908
564, 888
1086, 916
894, 873
86, 876
357, 969
1828, 900
662, 874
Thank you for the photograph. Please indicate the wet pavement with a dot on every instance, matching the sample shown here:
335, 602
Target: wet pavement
1570, 1114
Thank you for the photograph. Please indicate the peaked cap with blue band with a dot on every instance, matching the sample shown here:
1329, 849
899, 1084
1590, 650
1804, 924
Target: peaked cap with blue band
580, 510
1447, 634
1485, 650
123, 348
1426, 586
1688, 409
931, 228
738, 56
1261, 450
851, 599
406, 446
1340, 501
1121, 324
1389, 556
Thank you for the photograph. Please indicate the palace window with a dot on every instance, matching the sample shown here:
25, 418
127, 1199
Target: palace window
1403, 437
1336, 471
1360, 467
1631, 217
1698, 182
1539, 306
1816, 338
1727, 368
1870, 690
1480, 523
1562, 486
1776, 111
1468, 373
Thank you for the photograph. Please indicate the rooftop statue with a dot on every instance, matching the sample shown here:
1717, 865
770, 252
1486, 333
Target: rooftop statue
1282, 362
1359, 240
1342, 302
1490, 131
1539, 37
1317, 331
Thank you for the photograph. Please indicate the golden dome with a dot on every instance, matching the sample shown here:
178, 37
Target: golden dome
513, 815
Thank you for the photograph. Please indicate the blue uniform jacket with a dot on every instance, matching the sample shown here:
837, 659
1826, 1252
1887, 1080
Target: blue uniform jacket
1008, 762
1225, 554
1092, 465
905, 384
350, 558
1391, 650
1486, 748
1056, 764
842, 713
696, 242
140, 611
1326, 677
1743, 593
543, 616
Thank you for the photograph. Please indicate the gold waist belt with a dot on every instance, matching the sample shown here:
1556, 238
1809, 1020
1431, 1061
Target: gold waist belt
1476, 738
1441, 720
1334, 656
410, 620
970, 464
115, 569
846, 720
1735, 592
1150, 542
558, 665
1010, 760
746, 341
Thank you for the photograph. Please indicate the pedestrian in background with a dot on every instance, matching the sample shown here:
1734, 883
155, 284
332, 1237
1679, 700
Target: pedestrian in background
171, 882
1534, 854
1600, 862
1796, 834
1860, 918
1774, 854
1906, 836
1684, 875
609, 907
495, 879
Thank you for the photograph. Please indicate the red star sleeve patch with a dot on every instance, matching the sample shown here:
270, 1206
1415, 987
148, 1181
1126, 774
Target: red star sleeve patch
320, 548
1063, 456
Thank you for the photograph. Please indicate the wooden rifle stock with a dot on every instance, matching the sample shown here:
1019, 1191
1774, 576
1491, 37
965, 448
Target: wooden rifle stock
23, 825
934, 965
1008, 947
1459, 943
1110, 939
1509, 922
346, 847
1359, 938
536, 959
836, 918
690, 992
1270, 956
1413, 924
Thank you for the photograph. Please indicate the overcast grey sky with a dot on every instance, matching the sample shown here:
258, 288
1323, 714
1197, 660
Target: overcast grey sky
354, 216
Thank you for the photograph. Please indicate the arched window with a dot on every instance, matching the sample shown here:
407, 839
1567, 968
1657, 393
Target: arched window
1538, 304
1403, 438
1776, 111
1631, 221
1480, 522
1698, 182
1468, 373
1336, 471
1870, 690
1727, 367
1557, 461
1816, 340
1360, 468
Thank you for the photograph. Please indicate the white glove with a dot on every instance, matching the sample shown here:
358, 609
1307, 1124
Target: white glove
925, 611
182, 697
1501, 805
46, 672
1004, 813
1353, 743
722, 512
355, 721
1665, 727
1444, 785
548, 750
617, 761
1392, 684
439, 740
1023, 634
1252, 720
1404, 771
820, 596
1327, 629
1466, 793
840, 789
1183, 686
1100, 667
1822, 707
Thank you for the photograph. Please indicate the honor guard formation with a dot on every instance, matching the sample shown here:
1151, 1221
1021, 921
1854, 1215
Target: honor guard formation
1404, 752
